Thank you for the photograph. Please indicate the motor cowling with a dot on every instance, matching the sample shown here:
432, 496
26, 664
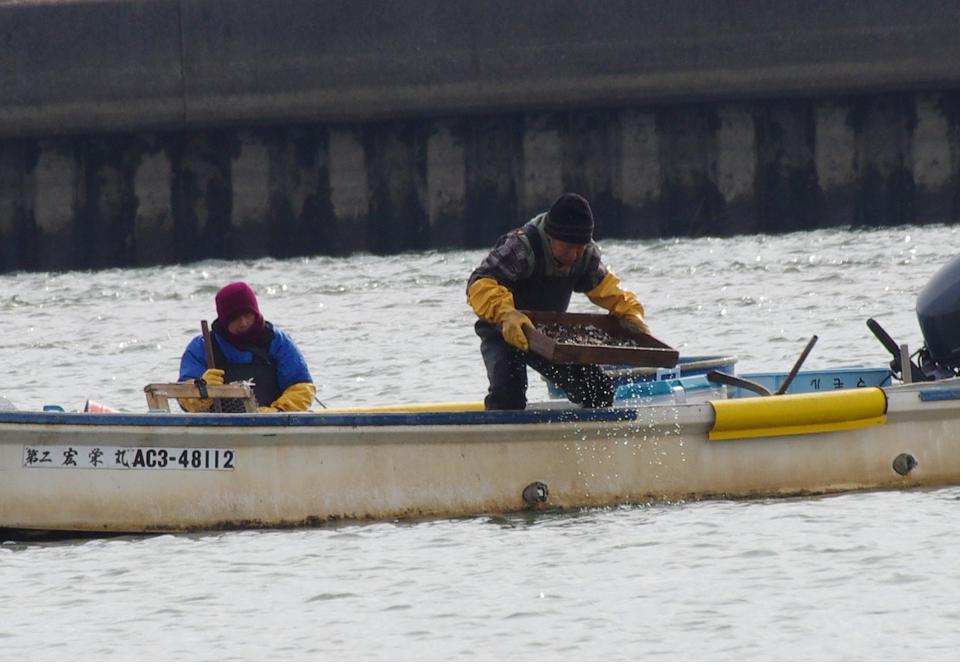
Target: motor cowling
938, 312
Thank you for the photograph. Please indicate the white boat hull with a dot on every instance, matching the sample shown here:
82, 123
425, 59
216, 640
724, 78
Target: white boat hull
290, 471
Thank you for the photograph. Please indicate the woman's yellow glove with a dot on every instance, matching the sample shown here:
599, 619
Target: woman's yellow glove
513, 329
212, 377
297, 397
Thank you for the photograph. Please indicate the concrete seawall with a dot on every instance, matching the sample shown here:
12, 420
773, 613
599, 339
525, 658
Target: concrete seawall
164, 131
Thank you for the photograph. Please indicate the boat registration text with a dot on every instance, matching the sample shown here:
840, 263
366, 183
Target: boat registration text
110, 457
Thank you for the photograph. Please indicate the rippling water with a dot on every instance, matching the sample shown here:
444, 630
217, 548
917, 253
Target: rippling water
869, 576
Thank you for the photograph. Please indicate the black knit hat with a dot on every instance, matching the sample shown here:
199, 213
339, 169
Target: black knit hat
570, 220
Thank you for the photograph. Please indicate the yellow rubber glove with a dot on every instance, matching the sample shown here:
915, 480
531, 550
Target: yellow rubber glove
494, 303
623, 304
490, 300
513, 329
297, 397
212, 377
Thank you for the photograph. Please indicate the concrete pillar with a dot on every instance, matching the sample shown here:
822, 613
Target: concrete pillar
395, 154
296, 220
637, 181
835, 147
492, 172
883, 125
936, 157
589, 158
737, 167
55, 189
445, 180
20, 240
348, 178
201, 197
11, 204
541, 166
317, 212
107, 205
250, 195
688, 153
154, 239
787, 188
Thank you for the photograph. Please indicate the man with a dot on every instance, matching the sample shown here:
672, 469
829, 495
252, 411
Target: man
248, 348
537, 268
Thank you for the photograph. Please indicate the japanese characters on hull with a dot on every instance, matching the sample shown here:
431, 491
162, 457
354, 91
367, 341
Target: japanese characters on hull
111, 457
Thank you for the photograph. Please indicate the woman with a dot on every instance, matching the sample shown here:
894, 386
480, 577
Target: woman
248, 348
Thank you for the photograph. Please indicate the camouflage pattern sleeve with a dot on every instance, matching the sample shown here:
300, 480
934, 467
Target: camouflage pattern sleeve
509, 261
594, 270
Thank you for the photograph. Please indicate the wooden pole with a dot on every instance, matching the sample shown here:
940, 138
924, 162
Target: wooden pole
795, 368
209, 356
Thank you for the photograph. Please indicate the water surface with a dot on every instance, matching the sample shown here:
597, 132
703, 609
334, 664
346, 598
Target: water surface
864, 576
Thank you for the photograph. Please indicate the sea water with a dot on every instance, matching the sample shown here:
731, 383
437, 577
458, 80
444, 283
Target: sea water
862, 576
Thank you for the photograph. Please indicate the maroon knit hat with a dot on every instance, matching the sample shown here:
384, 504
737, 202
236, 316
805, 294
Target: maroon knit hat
232, 301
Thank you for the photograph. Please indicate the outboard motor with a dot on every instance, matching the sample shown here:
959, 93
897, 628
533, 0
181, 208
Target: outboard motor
938, 313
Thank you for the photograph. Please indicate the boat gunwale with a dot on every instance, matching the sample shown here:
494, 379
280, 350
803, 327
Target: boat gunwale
273, 420
929, 393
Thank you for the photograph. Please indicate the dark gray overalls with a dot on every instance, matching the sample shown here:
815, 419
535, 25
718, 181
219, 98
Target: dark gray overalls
262, 370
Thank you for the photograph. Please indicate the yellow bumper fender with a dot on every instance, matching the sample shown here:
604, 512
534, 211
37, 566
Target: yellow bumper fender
784, 415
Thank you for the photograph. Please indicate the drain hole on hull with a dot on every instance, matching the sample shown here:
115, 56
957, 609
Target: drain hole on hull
535, 494
904, 463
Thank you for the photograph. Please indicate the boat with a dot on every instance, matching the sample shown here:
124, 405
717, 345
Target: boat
158, 471
154, 472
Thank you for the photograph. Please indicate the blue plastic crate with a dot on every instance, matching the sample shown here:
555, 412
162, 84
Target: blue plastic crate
679, 391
